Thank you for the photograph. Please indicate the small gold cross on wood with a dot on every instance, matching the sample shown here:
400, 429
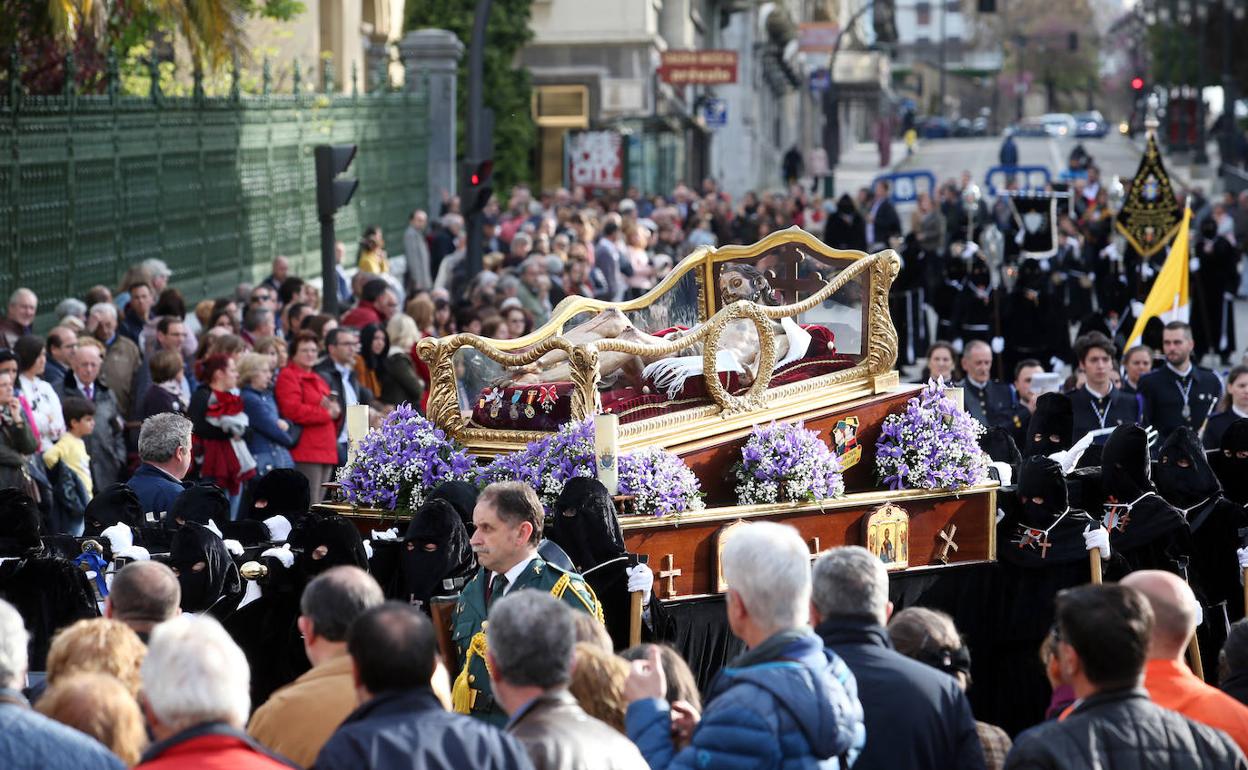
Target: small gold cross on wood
948, 538
669, 573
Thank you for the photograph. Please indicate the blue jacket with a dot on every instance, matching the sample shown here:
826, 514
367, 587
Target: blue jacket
789, 703
410, 729
269, 444
917, 717
155, 489
31, 741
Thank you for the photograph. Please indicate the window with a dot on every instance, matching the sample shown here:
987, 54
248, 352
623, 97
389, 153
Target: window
923, 14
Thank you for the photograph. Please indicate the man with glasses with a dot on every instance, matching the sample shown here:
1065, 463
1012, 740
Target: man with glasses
338, 370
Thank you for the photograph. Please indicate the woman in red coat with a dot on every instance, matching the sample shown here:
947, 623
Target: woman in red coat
303, 399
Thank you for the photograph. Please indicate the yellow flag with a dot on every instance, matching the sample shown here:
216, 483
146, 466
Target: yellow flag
1168, 299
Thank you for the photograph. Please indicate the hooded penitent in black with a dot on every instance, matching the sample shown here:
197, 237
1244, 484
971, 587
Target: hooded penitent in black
114, 504
209, 579
1186, 480
284, 492
199, 504
49, 592
435, 557
1041, 551
1051, 426
1147, 531
585, 526
322, 542
1231, 462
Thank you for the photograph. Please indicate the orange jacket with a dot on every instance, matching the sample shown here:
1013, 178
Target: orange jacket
1172, 685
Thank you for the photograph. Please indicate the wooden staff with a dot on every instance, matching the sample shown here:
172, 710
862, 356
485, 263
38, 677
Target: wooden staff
634, 619
1193, 657
1095, 557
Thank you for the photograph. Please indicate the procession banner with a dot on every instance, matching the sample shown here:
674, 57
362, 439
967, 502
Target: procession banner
1169, 298
1150, 216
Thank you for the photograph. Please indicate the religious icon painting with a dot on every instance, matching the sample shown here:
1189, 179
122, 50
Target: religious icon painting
845, 442
888, 535
721, 539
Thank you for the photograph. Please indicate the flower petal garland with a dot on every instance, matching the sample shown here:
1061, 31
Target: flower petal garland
660, 482
397, 464
782, 463
548, 463
931, 445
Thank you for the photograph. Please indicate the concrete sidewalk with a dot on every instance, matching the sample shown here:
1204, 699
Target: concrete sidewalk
860, 164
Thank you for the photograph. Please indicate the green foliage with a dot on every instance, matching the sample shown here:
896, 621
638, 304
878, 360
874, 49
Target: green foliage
506, 85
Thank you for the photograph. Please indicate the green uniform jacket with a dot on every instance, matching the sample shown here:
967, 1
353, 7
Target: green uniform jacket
471, 693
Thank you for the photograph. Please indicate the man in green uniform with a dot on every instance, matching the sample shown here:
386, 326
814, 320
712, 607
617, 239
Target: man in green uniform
508, 520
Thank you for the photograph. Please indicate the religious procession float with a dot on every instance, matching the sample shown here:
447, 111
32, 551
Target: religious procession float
754, 382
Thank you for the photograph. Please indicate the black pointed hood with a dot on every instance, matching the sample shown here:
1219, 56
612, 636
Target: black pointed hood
584, 524
462, 496
1040, 479
1052, 426
202, 586
19, 524
999, 445
284, 491
1184, 476
200, 504
115, 504
1125, 468
1231, 462
435, 549
327, 541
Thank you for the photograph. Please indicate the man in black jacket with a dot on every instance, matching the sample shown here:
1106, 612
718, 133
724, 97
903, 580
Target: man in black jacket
916, 716
338, 371
1102, 634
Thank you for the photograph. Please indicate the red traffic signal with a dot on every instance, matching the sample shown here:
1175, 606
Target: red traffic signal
1137, 84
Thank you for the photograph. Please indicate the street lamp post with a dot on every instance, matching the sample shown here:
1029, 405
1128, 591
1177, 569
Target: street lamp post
1201, 156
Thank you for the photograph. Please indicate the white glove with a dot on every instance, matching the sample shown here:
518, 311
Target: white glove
119, 537
1193, 264
1096, 540
279, 528
1000, 516
957, 345
1137, 308
134, 553
1044, 265
1069, 458
387, 535
998, 344
1005, 472
1242, 553
234, 547
641, 578
282, 554
1056, 364
368, 550
1018, 237
213, 528
1147, 271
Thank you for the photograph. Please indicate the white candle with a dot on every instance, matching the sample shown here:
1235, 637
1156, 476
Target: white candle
357, 427
606, 449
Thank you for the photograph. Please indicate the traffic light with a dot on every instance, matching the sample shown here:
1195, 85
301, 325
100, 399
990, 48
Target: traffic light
1137, 83
333, 193
478, 186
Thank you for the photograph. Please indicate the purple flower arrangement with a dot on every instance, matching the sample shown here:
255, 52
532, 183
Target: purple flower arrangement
396, 465
660, 483
782, 463
548, 463
931, 445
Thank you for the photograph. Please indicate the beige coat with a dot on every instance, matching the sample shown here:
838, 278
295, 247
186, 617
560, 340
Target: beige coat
298, 719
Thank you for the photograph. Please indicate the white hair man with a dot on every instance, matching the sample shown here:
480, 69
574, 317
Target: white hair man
916, 716
796, 701
123, 367
20, 318
29, 740
196, 699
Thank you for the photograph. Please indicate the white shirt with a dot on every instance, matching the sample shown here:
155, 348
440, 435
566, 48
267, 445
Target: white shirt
349, 396
514, 573
45, 405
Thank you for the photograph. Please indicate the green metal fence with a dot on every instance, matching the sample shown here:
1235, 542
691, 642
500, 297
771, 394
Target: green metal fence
214, 185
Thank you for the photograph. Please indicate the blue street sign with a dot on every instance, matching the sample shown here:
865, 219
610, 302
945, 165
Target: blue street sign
905, 186
820, 80
1030, 178
715, 113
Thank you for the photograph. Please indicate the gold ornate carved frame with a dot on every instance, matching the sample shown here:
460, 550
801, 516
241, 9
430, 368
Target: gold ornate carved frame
873, 373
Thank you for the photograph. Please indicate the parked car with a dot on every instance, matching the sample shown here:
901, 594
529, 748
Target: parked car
962, 127
979, 127
1090, 124
1030, 127
1059, 124
935, 128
